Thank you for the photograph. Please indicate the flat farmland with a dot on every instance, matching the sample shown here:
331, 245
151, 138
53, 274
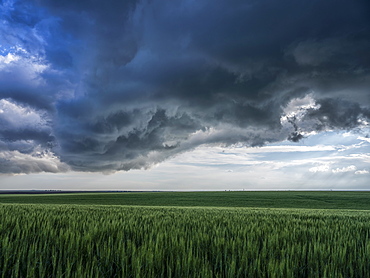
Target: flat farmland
176, 234
263, 199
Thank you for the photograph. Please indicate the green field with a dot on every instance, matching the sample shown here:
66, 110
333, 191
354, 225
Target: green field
268, 199
189, 234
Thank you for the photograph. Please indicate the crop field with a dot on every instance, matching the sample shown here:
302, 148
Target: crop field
261, 199
93, 240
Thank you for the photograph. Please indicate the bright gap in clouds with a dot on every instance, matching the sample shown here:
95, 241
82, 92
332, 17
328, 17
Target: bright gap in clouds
340, 159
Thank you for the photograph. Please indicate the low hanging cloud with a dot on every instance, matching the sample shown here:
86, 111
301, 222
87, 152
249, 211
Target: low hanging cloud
111, 85
351, 168
362, 172
38, 161
320, 168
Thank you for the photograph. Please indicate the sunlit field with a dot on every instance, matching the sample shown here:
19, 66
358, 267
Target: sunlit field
73, 240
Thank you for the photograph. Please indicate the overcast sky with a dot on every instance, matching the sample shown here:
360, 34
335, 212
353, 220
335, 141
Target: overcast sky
185, 95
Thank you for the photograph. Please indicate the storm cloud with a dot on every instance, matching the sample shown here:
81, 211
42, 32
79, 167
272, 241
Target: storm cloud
119, 85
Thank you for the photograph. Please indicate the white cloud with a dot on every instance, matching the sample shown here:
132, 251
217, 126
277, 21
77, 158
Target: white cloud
294, 113
361, 172
21, 117
343, 148
4, 60
291, 148
364, 157
35, 162
364, 139
22, 65
350, 168
297, 106
320, 168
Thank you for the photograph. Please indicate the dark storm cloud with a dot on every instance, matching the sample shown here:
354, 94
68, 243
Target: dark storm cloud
127, 84
338, 114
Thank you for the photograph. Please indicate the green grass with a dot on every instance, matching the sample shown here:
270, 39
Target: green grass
186, 234
270, 199
119, 241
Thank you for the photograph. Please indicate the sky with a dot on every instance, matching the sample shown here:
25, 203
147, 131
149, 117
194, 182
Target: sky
185, 95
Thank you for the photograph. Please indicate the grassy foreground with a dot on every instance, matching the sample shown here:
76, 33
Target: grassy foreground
185, 234
119, 241
267, 199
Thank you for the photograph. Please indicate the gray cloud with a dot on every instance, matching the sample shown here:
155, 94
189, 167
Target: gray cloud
338, 114
125, 85
16, 162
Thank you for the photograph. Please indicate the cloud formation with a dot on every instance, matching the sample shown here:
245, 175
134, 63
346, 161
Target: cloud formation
119, 85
